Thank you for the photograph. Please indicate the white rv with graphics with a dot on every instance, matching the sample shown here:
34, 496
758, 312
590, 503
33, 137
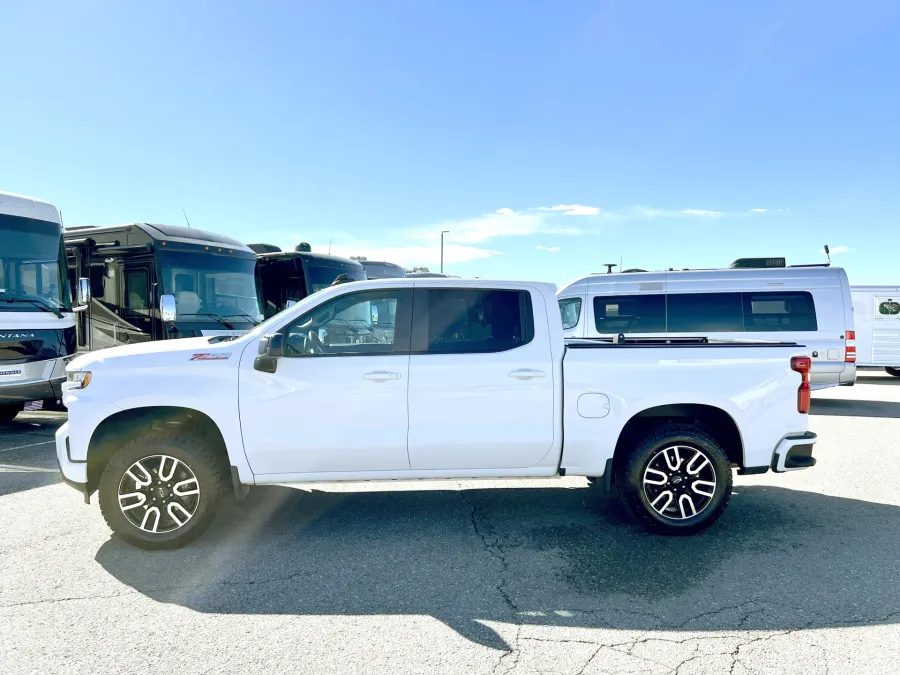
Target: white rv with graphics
876, 312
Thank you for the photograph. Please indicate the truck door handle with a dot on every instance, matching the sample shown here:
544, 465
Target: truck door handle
526, 374
381, 376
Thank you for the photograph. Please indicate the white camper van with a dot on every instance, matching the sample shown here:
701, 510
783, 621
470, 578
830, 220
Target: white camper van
807, 305
876, 313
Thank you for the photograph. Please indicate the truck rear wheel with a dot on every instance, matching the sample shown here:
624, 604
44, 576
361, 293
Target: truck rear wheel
8, 412
893, 371
161, 489
677, 480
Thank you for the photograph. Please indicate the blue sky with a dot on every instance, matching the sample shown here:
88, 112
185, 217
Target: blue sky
549, 138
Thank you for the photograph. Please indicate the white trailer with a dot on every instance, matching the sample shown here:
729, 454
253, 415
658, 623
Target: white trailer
876, 314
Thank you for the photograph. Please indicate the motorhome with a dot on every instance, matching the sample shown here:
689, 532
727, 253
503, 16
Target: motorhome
289, 276
810, 305
157, 282
37, 328
379, 269
876, 313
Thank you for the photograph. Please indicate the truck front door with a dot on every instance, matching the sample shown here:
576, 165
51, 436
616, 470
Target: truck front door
337, 401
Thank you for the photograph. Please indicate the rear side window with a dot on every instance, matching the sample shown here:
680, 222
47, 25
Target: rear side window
889, 308
630, 313
779, 312
570, 309
472, 321
709, 312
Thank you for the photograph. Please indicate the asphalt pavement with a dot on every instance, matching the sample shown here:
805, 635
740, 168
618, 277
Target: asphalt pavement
800, 575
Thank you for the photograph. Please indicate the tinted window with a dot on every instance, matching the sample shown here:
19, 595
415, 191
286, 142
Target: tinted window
707, 312
630, 313
136, 292
472, 321
570, 309
356, 324
779, 312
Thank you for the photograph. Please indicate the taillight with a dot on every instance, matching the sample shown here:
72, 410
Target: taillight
802, 365
850, 347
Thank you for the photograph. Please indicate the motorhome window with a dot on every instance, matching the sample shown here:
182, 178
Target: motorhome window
32, 265
137, 293
705, 312
356, 324
477, 321
322, 276
210, 284
779, 311
570, 309
630, 313
889, 308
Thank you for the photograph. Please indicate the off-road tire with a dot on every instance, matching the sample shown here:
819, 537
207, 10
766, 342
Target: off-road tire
630, 480
207, 464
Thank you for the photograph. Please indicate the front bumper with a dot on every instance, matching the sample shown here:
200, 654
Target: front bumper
74, 472
23, 392
794, 452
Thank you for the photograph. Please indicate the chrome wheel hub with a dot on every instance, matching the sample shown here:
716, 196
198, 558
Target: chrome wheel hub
679, 482
159, 494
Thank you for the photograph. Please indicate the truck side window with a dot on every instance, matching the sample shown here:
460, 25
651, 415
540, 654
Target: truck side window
630, 313
136, 293
476, 321
570, 309
355, 324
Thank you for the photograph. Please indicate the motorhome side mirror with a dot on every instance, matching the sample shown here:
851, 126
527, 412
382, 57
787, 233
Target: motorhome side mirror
84, 291
167, 309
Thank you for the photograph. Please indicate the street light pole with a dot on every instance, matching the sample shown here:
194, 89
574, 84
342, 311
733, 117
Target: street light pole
443, 232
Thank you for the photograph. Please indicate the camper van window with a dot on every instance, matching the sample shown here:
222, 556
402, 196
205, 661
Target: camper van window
705, 312
570, 309
136, 293
30, 266
210, 284
779, 312
322, 276
889, 308
630, 313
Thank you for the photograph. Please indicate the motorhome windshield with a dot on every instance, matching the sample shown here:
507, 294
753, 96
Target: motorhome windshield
206, 284
32, 266
322, 276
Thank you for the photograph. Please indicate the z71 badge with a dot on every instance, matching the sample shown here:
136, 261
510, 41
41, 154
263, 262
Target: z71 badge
220, 356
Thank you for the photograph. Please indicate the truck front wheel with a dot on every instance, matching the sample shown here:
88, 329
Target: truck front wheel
161, 489
677, 480
893, 371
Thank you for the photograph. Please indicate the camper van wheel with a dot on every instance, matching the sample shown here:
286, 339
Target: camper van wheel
893, 371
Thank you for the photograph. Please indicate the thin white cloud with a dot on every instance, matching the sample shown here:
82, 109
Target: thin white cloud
702, 213
541, 247
758, 210
409, 256
503, 222
839, 249
572, 209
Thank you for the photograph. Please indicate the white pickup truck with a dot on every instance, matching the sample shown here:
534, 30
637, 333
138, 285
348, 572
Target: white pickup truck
425, 378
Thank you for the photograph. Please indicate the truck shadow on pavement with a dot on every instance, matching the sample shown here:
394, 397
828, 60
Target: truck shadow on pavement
847, 407
777, 560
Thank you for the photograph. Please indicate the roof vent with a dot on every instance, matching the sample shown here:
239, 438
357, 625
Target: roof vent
359, 258
753, 263
264, 248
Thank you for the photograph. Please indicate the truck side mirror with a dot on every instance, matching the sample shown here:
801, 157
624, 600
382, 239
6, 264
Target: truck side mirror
84, 291
167, 309
271, 348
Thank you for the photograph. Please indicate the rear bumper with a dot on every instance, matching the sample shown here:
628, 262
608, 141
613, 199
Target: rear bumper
794, 452
74, 472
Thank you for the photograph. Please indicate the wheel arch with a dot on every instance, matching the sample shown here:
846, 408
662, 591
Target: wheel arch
716, 422
118, 429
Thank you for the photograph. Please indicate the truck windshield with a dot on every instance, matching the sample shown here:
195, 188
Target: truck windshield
322, 276
205, 284
32, 266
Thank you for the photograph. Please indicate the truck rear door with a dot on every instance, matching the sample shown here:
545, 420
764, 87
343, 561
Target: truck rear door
481, 390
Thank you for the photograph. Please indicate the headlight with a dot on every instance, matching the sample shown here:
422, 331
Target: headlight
78, 379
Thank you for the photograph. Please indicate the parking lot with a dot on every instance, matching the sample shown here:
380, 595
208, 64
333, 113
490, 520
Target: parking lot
801, 575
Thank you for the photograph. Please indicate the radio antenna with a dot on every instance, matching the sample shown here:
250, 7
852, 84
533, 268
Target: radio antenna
185, 217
